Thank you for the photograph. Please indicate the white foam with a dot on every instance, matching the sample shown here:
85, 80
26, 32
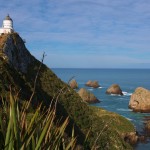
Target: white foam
129, 119
90, 89
105, 106
115, 95
123, 109
126, 93
100, 87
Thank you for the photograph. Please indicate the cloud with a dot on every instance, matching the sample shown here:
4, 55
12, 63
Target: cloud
106, 27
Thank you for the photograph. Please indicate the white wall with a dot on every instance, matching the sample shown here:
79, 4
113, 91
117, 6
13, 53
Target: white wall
7, 24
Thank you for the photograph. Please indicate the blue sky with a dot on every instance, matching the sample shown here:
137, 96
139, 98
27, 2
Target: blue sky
84, 33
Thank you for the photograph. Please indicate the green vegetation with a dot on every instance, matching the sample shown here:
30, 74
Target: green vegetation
22, 130
93, 127
83, 115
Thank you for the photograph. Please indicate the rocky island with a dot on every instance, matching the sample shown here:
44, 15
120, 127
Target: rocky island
114, 89
93, 84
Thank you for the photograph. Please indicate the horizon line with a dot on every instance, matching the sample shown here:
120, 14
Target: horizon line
92, 68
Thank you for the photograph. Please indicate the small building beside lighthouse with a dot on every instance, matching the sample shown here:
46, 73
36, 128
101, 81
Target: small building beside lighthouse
7, 26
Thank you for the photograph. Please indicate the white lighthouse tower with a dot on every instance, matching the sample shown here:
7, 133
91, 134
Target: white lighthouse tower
7, 26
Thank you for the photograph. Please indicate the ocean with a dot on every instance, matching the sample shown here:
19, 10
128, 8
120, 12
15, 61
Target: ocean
128, 79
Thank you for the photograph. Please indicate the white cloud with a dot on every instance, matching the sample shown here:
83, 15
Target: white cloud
79, 26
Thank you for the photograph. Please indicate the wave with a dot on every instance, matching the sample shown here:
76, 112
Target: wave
129, 119
100, 87
105, 106
126, 93
123, 109
91, 89
115, 95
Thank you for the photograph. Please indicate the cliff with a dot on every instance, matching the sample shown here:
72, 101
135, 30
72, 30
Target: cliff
19, 69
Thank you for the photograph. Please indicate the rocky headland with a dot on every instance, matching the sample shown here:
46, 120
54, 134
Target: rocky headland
19, 69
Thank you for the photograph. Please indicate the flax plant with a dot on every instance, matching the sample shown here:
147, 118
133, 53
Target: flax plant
20, 130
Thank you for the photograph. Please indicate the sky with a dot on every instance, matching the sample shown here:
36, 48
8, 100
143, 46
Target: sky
84, 33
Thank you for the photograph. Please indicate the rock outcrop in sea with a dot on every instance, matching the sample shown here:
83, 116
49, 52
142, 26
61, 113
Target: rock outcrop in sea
133, 138
87, 96
140, 100
93, 84
73, 84
114, 89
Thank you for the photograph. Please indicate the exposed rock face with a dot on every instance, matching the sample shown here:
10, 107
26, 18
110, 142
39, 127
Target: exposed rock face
16, 52
87, 96
131, 137
73, 84
114, 89
140, 100
147, 127
93, 84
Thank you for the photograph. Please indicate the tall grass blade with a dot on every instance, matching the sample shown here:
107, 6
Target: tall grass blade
42, 135
15, 120
8, 133
71, 145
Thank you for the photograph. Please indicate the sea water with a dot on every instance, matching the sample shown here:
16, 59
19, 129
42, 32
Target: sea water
128, 80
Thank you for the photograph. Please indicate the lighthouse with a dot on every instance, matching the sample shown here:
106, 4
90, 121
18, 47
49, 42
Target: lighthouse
7, 26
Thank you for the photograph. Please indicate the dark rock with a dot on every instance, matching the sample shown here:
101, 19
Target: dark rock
131, 138
147, 128
17, 54
142, 139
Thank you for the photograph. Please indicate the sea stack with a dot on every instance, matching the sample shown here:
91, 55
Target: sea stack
114, 89
140, 100
73, 84
93, 84
87, 96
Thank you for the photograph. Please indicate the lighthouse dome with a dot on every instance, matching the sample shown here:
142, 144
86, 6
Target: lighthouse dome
8, 18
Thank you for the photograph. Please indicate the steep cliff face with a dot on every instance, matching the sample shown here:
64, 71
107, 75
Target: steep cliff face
16, 52
105, 128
